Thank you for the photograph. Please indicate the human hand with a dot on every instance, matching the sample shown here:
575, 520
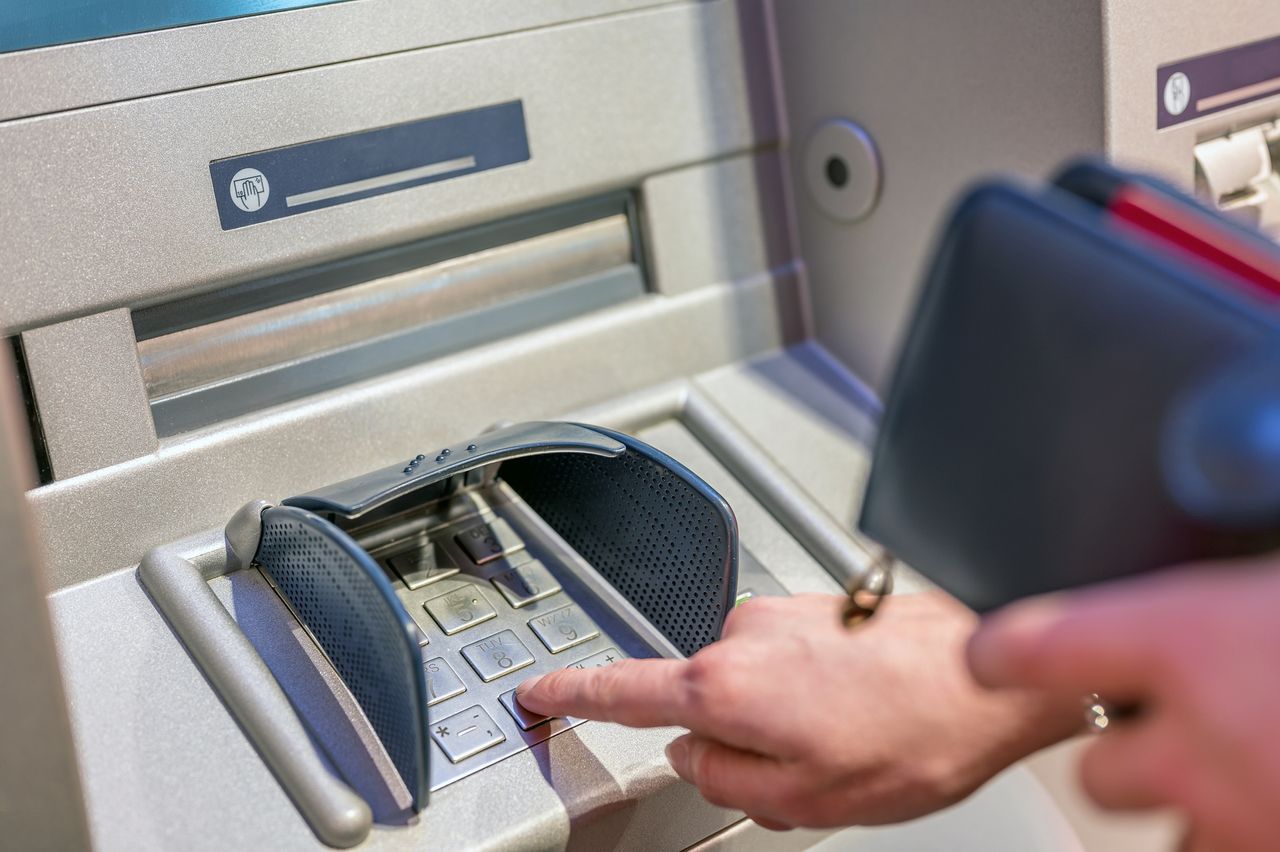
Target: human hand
1198, 650
799, 722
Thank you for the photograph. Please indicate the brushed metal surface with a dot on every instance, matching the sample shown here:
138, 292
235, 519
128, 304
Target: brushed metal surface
41, 804
126, 213
846, 558
133, 66
89, 392
221, 350
185, 412
949, 92
716, 222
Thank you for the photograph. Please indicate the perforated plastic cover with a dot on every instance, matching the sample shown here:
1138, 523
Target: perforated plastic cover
657, 532
342, 597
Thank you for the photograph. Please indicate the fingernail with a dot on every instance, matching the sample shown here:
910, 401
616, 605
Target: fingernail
677, 754
524, 688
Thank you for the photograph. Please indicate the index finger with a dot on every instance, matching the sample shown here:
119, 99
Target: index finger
637, 693
1105, 641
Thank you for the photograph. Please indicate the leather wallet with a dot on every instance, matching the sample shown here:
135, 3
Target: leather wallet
1087, 391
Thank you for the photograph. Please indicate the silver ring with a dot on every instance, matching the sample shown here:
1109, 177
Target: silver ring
1097, 713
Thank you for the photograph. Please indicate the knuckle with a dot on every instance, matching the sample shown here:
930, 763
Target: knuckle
943, 781
701, 680
715, 686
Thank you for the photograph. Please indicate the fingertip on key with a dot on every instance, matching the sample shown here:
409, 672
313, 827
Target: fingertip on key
528, 686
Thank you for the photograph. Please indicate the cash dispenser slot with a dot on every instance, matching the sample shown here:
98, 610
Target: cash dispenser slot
433, 586
239, 349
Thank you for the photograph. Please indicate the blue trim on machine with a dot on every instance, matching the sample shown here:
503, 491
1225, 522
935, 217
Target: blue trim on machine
25, 25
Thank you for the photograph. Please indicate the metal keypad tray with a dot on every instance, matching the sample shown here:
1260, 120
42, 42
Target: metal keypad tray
497, 598
432, 588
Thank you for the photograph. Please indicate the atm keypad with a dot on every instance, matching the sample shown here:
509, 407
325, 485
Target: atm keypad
443, 682
564, 628
485, 542
423, 565
497, 655
526, 583
467, 733
501, 613
459, 609
607, 657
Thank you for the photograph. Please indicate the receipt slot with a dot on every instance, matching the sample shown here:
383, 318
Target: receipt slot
536, 547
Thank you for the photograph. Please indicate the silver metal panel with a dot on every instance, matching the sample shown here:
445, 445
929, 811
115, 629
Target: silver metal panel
133, 66
210, 404
41, 806
717, 222
221, 350
88, 388
949, 92
200, 480
824, 443
126, 211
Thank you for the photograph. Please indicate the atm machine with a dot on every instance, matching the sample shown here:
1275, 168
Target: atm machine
258, 251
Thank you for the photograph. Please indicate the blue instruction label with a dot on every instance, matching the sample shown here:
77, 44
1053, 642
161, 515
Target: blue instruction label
268, 185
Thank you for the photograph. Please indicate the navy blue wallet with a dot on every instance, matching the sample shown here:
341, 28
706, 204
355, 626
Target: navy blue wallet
1079, 399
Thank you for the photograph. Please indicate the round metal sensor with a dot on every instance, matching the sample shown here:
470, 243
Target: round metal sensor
842, 170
